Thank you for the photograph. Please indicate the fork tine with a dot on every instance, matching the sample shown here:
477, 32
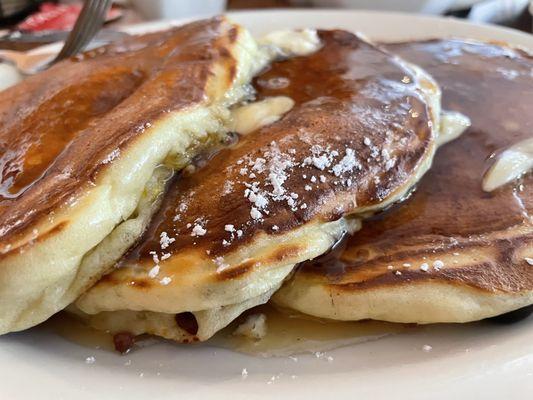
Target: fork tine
102, 13
81, 24
89, 22
78, 27
87, 26
92, 26
97, 23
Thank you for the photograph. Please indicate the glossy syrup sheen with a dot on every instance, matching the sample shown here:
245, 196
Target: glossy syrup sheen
449, 210
346, 91
288, 333
44, 134
60, 127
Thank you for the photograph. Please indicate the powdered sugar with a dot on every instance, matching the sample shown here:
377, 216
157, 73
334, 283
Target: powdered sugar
165, 240
255, 213
198, 229
154, 272
229, 228
321, 158
165, 281
348, 163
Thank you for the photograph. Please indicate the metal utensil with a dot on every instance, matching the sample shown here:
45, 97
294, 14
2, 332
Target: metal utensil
89, 22
103, 36
27, 63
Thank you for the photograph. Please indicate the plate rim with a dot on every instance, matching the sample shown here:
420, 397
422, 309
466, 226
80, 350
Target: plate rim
66, 390
162, 24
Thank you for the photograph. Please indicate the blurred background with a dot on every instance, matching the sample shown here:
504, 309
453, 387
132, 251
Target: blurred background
27, 23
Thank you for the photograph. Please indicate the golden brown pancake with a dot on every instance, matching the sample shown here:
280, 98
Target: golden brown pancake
361, 132
452, 252
81, 141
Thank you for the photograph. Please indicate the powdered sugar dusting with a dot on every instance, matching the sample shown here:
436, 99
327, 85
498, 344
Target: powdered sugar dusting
165, 281
348, 163
165, 240
154, 271
272, 176
198, 229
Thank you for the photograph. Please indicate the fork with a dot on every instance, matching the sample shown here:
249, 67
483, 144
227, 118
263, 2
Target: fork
89, 22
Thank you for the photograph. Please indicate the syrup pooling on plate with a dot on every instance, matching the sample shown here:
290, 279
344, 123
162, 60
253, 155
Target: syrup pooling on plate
449, 211
287, 333
381, 115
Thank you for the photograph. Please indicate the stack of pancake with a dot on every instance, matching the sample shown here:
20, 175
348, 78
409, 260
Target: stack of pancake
167, 183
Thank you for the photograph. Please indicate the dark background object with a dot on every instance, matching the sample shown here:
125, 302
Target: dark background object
12, 10
513, 316
521, 20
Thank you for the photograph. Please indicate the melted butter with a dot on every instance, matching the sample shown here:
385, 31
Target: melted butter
255, 115
452, 125
510, 165
288, 333
291, 42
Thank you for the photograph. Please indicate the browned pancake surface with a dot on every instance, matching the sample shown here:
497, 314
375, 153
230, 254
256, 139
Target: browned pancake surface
449, 214
358, 130
61, 127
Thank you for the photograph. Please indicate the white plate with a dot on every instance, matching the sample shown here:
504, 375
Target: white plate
472, 361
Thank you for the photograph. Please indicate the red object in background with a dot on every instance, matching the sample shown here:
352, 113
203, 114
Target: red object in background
57, 17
